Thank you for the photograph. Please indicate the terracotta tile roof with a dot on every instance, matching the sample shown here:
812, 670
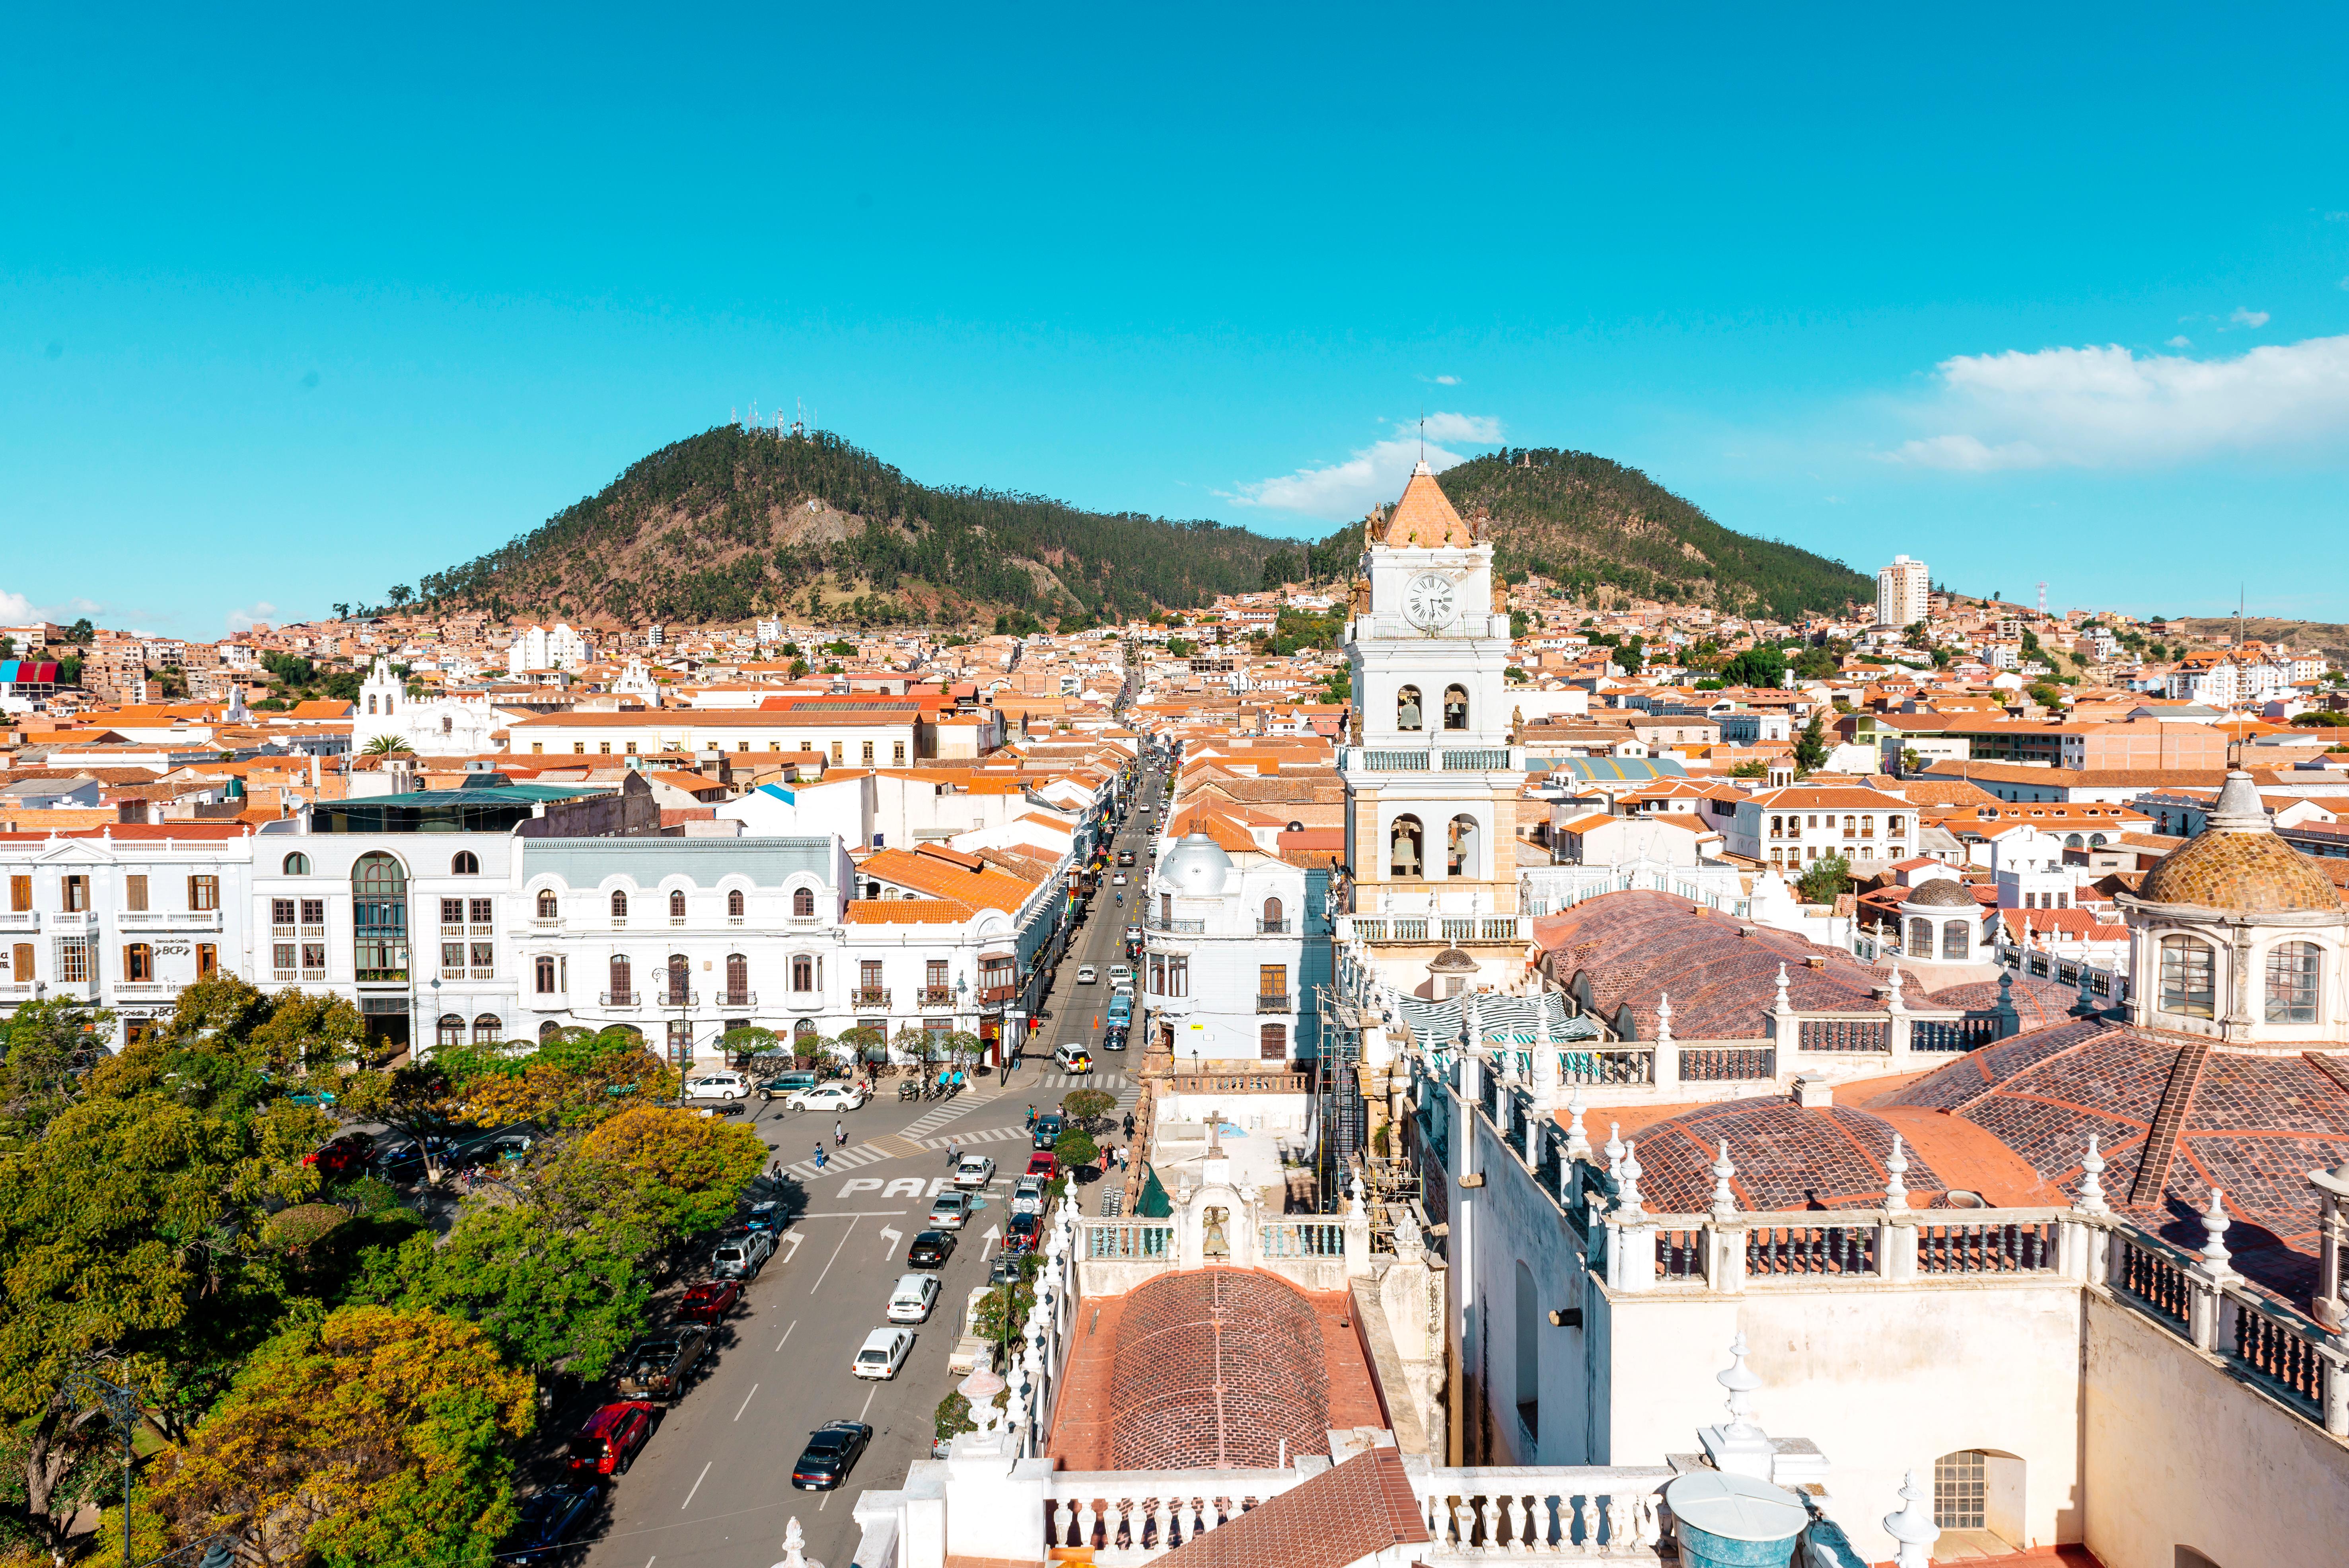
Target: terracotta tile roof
1356, 1509
1424, 519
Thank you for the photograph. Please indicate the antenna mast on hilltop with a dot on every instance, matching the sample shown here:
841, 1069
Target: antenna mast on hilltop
2043, 601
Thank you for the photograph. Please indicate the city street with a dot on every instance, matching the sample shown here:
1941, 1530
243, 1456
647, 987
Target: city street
712, 1489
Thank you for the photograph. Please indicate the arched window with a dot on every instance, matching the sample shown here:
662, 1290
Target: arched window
2074, 841
2293, 968
1405, 845
370, 705
622, 994
1954, 940
296, 864
738, 980
548, 1031
677, 904
734, 903
549, 907
804, 1037
2187, 975
1407, 709
1460, 848
1271, 915
488, 1030
1920, 938
619, 904
465, 863
542, 975
379, 917
803, 902
2097, 841
680, 973
451, 1030
1455, 707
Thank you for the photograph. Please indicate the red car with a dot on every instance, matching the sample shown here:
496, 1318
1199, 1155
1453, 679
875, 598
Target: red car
345, 1156
711, 1302
607, 1443
1044, 1163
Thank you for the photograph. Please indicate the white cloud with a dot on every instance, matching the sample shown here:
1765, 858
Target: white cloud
1445, 380
14, 608
2181, 341
1340, 492
242, 620
2107, 408
2248, 317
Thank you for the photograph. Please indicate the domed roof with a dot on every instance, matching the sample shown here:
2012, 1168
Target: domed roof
2237, 862
1452, 961
1941, 894
1177, 1403
1197, 867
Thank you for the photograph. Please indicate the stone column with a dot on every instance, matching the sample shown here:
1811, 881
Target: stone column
1667, 1059
1724, 1268
2210, 1316
1899, 1026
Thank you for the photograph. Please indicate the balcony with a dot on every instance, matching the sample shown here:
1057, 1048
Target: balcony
20, 920
1178, 927
738, 998
1273, 1002
617, 998
990, 995
145, 988
937, 996
73, 919
1272, 927
869, 997
677, 999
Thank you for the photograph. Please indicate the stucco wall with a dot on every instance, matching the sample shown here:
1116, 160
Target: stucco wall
2178, 1453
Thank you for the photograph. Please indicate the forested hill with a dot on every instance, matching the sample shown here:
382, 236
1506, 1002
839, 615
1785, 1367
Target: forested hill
1590, 524
733, 523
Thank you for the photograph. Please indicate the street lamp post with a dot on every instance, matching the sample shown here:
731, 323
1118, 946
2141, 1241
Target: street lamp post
120, 1403
676, 982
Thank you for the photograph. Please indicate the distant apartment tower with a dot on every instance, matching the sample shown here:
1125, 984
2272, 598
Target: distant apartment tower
1901, 590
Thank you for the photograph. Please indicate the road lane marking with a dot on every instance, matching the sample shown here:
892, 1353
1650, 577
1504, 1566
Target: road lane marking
746, 1399
696, 1486
832, 1260
787, 1334
868, 1401
894, 1236
858, 1214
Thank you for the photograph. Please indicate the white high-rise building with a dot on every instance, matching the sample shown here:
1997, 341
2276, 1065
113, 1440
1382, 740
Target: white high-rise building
537, 648
1900, 592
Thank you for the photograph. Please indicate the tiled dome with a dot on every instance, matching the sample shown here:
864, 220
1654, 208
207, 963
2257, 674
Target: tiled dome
1941, 894
2238, 863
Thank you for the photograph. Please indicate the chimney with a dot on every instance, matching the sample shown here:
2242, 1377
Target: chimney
1812, 1092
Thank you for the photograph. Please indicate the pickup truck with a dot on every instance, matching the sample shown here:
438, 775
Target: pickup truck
660, 1365
970, 1352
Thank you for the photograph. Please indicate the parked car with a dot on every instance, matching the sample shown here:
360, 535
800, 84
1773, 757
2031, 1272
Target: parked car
1133, 934
1085, 976
727, 1085
1113, 1039
1121, 975
1047, 1131
825, 1097
787, 1083
607, 1442
709, 1301
1020, 1236
931, 1249
660, 1365
1121, 1010
1028, 1196
974, 1170
951, 1209
830, 1450
1004, 1270
884, 1351
343, 1158
741, 1255
911, 1299
1044, 1163
404, 1160
767, 1216
548, 1521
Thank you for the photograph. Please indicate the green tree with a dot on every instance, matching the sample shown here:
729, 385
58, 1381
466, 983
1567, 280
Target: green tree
1756, 667
1074, 1148
1811, 746
1816, 664
684, 1173
80, 632
384, 746
1825, 880
2046, 693
1084, 1107
374, 1436
1630, 656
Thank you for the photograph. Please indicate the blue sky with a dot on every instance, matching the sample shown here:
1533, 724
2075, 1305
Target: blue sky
300, 306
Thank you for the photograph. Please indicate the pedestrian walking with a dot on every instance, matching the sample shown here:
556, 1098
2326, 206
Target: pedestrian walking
819, 1156
1129, 1124
840, 1133
1031, 1119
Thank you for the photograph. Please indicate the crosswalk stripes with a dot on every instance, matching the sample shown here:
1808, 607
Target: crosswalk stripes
931, 1120
888, 1146
984, 1135
1083, 1081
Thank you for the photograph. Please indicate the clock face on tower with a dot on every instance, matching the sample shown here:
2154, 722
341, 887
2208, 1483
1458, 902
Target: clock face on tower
1428, 599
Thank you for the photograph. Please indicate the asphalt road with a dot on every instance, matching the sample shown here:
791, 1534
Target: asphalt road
712, 1489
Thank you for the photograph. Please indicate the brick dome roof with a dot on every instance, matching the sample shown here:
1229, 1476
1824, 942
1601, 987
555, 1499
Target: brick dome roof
1941, 894
1215, 1368
2238, 863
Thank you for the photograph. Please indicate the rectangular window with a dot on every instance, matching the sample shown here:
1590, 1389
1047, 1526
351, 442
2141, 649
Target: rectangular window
281, 911
802, 974
20, 894
604, 747
1272, 980
134, 892
1178, 976
452, 957
2185, 977
578, 748
23, 972
632, 748
538, 749
868, 754
936, 973
1158, 976
897, 752
282, 956
73, 893
314, 911
73, 961
839, 751
478, 911
453, 912
542, 975
741, 745
485, 960
1272, 1042
204, 893
314, 958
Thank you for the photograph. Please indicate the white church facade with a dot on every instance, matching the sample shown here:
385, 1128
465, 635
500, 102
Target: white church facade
428, 726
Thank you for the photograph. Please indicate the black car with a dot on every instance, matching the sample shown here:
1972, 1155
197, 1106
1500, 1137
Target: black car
1113, 1039
1004, 1270
830, 1450
548, 1521
1047, 1130
931, 1249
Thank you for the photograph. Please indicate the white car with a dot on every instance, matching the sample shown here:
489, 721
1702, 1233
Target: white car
824, 1097
974, 1170
912, 1300
1028, 1196
717, 1085
1121, 975
1085, 976
884, 1351
1118, 881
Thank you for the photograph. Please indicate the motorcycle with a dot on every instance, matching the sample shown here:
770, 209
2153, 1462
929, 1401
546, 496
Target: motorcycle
909, 1090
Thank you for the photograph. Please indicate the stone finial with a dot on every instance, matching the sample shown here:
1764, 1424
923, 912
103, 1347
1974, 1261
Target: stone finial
1892, 1002
1358, 1193
2092, 1187
2215, 1255
1626, 1183
1913, 1525
1782, 1004
1741, 1380
1578, 1141
794, 1545
1724, 1200
1895, 1177
1614, 1146
1663, 1017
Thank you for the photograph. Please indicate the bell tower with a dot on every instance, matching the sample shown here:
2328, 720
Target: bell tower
1432, 777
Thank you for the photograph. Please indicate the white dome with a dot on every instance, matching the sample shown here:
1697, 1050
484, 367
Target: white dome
1197, 867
